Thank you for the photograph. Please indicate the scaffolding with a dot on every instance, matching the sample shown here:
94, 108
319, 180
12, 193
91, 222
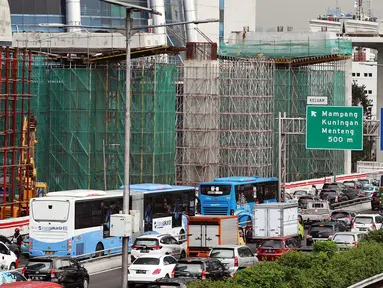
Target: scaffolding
224, 119
81, 116
292, 86
17, 182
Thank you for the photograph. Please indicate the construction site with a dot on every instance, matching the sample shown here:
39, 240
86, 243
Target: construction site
202, 113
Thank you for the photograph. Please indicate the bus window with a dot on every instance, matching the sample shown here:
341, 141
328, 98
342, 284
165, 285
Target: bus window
244, 193
88, 214
215, 190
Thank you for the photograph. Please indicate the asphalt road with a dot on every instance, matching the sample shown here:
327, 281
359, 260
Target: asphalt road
112, 279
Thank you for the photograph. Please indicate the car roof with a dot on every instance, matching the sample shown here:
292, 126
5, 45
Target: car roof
349, 233
191, 259
367, 215
158, 256
32, 284
49, 258
328, 223
153, 236
343, 210
229, 246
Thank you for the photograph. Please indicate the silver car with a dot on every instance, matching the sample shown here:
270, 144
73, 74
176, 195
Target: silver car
234, 257
347, 240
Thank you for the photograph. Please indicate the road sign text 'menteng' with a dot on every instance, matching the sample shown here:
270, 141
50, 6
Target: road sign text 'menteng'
343, 121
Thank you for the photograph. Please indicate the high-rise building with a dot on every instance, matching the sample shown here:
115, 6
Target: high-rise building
28, 14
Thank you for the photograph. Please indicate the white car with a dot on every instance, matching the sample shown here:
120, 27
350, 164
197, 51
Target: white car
147, 269
347, 240
234, 257
366, 222
158, 244
8, 259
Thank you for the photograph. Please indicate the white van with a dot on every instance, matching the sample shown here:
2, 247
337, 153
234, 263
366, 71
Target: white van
8, 259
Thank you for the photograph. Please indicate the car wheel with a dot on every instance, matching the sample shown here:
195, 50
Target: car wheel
183, 254
12, 266
85, 284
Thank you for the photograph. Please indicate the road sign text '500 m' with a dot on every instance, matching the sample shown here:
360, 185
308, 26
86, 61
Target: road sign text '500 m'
334, 127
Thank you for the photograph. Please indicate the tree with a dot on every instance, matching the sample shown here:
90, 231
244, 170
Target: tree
360, 98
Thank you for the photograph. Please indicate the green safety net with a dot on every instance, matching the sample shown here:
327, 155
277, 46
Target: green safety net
80, 114
287, 48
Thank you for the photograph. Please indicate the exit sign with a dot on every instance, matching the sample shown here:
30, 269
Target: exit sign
334, 128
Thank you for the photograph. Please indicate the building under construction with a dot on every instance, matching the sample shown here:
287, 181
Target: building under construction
17, 133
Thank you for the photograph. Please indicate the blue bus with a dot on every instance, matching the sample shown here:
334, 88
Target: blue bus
236, 195
77, 222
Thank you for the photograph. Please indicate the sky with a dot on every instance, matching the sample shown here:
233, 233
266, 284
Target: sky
297, 13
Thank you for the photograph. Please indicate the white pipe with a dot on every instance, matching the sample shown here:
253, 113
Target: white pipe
159, 20
73, 15
191, 33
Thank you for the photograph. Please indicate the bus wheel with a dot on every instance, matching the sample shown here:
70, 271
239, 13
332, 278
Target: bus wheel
100, 248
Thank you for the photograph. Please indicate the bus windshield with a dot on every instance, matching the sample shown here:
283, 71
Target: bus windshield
217, 190
50, 210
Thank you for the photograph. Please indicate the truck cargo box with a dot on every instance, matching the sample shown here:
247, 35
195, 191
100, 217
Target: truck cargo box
275, 220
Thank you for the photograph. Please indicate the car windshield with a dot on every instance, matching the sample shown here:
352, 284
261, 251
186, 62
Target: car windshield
344, 238
191, 267
349, 184
39, 265
222, 253
328, 193
321, 229
330, 186
277, 244
300, 192
363, 220
369, 188
338, 215
146, 242
146, 261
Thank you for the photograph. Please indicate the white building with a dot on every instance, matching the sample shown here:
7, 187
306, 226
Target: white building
237, 15
364, 72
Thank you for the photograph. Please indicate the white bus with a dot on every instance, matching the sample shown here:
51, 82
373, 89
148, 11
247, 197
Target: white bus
77, 222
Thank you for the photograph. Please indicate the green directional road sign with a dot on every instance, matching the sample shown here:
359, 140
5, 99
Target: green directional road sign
334, 128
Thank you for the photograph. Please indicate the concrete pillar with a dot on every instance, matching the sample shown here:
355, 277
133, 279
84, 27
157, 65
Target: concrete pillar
348, 102
201, 120
379, 100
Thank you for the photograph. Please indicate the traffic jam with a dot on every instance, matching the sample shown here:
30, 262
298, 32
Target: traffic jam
232, 223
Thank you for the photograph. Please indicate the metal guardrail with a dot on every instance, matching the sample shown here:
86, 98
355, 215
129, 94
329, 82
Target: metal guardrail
349, 203
367, 282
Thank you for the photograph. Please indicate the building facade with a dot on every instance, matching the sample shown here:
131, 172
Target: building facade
365, 72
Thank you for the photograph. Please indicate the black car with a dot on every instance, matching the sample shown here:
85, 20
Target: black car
322, 231
376, 201
349, 192
64, 270
344, 216
333, 196
12, 246
201, 268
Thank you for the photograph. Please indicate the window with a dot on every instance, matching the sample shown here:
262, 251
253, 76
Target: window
147, 261
222, 253
3, 249
365, 74
357, 74
169, 260
267, 191
369, 74
244, 193
369, 91
167, 204
353, 74
216, 190
88, 214
65, 264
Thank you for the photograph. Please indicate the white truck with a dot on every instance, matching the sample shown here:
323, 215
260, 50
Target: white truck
316, 211
275, 220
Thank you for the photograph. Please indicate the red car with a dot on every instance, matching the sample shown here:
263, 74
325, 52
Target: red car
273, 248
32, 284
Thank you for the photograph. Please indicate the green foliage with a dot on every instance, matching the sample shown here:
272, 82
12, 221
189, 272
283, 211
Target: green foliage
325, 268
360, 98
327, 247
374, 236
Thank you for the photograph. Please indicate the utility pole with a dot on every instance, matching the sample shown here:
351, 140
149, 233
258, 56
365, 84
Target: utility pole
128, 34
